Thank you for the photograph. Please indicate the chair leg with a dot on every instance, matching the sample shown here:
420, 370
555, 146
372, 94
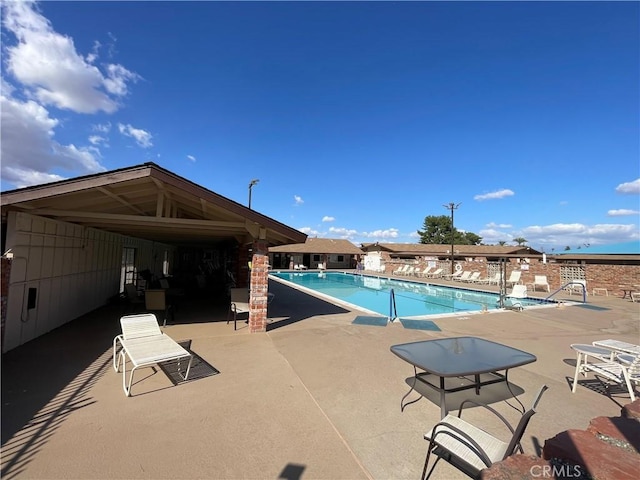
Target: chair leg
426, 463
575, 375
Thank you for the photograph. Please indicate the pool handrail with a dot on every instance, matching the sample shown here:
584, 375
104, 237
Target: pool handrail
584, 290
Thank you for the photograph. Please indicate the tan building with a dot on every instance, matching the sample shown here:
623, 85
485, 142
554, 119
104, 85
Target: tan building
316, 253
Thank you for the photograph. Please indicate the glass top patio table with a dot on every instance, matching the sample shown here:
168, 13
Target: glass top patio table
460, 357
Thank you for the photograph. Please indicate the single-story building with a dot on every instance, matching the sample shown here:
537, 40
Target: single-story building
605, 268
69, 247
316, 253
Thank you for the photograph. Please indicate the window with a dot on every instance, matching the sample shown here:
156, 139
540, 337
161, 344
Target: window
316, 258
340, 258
128, 272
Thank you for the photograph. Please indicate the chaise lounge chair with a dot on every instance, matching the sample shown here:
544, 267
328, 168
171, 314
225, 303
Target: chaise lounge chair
142, 342
463, 276
514, 278
435, 274
541, 281
471, 449
623, 370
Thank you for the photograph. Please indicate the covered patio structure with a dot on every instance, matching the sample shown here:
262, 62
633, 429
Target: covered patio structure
69, 247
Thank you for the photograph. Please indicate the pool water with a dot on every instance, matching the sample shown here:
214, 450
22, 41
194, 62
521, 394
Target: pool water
412, 299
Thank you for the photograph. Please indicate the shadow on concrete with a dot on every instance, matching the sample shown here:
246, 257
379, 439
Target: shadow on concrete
48, 378
298, 306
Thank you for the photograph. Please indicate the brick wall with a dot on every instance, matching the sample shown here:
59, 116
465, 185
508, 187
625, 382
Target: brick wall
596, 275
259, 287
5, 271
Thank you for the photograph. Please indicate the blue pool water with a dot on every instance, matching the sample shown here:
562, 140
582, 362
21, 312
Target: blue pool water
412, 299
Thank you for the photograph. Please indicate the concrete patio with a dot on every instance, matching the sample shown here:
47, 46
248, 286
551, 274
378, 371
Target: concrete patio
315, 397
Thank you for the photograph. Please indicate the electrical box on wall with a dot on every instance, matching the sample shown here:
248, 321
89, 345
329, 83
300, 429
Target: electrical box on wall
31, 298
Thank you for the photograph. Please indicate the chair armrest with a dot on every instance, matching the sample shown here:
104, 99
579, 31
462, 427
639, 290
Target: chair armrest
491, 409
463, 438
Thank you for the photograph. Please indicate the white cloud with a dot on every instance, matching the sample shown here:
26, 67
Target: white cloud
101, 127
573, 234
343, 232
622, 212
498, 225
298, 200
310, 232
493, 195
191, 157
632, 188
327, 218
28, 150
97, 140
50, 69
382, 234
141, 137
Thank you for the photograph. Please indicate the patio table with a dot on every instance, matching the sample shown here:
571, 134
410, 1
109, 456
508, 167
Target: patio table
460, 363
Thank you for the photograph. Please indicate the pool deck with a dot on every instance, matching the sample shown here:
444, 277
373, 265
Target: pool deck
315, 397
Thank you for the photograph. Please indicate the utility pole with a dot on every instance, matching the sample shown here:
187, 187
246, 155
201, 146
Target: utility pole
452, 206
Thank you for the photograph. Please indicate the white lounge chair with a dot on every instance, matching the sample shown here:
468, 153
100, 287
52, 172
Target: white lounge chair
472, 278
142, 342
426, 271
514, 278
624, 371
485, 280
541, 281
435, 274
472, 449
466, 274
513, 300
400, 270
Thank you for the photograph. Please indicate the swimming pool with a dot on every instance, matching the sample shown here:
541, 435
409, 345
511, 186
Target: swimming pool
412, 299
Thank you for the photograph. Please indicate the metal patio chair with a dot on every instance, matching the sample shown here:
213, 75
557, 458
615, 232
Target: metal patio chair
471, 449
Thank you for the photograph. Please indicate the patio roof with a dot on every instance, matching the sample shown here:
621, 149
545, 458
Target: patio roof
147, 201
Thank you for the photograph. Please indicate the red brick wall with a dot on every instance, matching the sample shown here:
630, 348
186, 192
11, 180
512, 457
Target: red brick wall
4, 295
259, 287
597, 275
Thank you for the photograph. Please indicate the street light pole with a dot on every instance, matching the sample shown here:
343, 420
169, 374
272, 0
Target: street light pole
251, 184
452, 206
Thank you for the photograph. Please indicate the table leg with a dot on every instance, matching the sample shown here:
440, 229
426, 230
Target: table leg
443, 399
415, 379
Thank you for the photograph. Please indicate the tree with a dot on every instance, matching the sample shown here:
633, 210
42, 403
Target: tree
502, 243
437, 230
520, 241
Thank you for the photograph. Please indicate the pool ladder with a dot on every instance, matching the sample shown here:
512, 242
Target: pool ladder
393, 312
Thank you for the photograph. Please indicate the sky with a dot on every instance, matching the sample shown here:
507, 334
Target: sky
359, 119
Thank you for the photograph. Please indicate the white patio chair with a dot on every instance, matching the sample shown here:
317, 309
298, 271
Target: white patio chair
514, 278
144, 344
425, 272
471, 278
471, 449
624, 371
541, 281
463, 276
435, 274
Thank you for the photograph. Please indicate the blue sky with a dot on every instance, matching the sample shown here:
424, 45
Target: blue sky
358, 118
